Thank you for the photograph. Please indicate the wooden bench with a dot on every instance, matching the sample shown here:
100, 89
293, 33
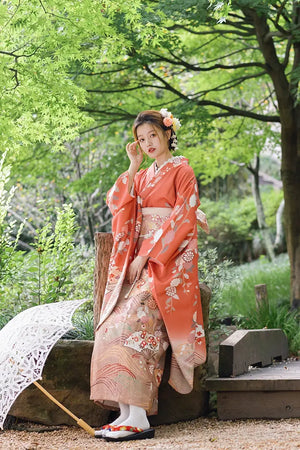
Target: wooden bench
250, 383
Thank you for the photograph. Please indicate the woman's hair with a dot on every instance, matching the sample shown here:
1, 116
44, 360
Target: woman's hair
156, 119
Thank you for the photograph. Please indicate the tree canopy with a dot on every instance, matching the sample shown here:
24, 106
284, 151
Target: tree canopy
226, 68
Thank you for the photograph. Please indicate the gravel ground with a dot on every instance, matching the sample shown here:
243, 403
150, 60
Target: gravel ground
203, 433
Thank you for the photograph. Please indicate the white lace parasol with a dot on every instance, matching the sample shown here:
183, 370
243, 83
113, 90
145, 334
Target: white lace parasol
25, 343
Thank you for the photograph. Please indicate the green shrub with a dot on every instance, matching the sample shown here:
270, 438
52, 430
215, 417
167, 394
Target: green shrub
83, 322
237, 298
55, 271
230, 222
215, 274
271, 199
275, 316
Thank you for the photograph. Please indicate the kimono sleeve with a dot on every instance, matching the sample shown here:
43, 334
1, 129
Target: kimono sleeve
119, 197
179, 228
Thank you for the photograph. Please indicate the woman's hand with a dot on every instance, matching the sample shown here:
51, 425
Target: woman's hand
135, 269
135, 155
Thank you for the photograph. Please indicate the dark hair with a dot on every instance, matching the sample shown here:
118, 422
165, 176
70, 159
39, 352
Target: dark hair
156, 119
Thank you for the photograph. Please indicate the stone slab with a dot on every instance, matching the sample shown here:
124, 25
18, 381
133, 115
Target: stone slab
67, 377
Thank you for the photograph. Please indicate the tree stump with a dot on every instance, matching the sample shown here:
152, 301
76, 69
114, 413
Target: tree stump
261, 295
103, 247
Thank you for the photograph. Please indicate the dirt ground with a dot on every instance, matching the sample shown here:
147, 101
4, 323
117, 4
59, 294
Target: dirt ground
203, 433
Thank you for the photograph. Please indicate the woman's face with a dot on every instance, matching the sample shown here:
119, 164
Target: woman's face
154, 142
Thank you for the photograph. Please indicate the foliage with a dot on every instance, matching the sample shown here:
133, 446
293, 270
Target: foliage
55, 270
231, 223
83, 322
215, 274
42, 42
239, 293
275, 316
271, 200
51, 262
8, 255
236, 299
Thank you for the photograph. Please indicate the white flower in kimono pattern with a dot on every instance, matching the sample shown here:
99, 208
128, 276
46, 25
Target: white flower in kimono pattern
175, 282
188, 256
122, 245
193, 200
199, 332
119, 236
172, 292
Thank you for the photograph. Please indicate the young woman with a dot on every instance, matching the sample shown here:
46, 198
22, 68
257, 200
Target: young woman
152, 297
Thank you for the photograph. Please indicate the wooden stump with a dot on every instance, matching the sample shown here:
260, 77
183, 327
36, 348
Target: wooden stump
103, 247
261, 295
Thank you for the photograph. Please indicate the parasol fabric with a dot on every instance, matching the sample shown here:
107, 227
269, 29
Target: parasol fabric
25, 343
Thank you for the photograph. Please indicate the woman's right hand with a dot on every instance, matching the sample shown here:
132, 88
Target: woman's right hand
135, 154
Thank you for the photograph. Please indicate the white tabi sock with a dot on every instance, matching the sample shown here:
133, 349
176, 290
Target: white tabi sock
124, 413
137, 418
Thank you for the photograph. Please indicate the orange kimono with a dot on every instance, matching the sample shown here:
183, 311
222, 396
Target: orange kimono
156, 219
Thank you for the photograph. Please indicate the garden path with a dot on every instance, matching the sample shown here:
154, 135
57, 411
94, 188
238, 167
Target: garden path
200, 434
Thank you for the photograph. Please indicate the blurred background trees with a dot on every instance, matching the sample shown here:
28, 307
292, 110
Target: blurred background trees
74, 75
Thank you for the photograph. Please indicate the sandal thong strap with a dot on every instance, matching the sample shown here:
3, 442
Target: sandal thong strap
124, 428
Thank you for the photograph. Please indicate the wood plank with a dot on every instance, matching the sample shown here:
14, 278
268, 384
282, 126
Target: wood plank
283, 375
258, 405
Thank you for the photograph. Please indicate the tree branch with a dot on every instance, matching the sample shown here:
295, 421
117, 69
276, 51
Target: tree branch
197, 68
237, 112
209, 32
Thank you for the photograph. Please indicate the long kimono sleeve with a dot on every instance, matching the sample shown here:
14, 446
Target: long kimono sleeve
122, 205
119, 197
178, 229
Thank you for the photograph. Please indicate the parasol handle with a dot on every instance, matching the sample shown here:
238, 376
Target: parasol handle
80, 422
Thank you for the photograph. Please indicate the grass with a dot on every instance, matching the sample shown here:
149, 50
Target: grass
237, 298
239, 294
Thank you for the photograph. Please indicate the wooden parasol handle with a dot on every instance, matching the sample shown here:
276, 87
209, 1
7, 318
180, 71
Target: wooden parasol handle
80, 422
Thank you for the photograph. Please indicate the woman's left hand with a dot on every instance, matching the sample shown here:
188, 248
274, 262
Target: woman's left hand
135, 268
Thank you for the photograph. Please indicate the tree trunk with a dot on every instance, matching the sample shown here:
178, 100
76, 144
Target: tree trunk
279, 244
286, 94
290, 173
260, 214
103, 247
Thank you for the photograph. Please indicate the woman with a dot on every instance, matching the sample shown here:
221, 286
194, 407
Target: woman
152, 296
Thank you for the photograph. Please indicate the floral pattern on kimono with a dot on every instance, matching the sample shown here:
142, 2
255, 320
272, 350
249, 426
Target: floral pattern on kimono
173, 257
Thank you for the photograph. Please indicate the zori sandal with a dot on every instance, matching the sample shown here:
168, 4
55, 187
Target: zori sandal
137, 433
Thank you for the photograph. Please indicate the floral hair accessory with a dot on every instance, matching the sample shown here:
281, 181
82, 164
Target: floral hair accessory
169, 120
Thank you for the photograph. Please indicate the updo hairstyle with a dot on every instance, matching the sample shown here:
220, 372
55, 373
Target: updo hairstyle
155, 118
